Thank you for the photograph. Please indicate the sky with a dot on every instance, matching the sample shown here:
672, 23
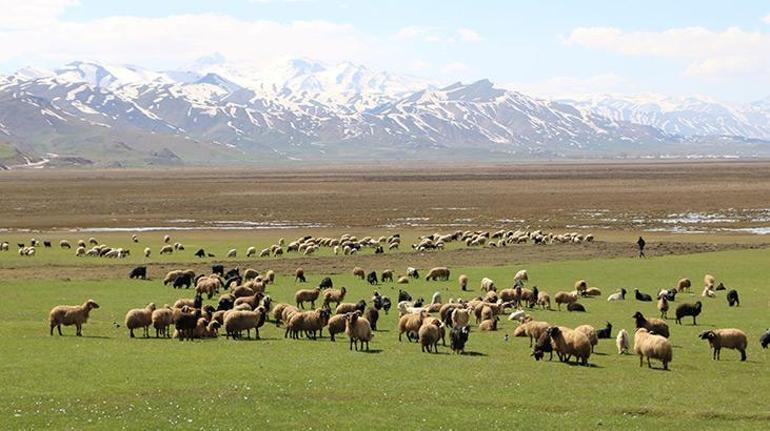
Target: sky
553, 48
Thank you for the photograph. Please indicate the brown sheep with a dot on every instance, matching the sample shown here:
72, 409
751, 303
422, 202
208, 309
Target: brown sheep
68, 315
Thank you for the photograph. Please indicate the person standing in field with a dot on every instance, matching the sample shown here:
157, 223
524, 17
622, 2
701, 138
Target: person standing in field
641, 243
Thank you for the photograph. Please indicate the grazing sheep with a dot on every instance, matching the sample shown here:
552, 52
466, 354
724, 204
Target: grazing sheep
167, 249
167, 239
232, 253
683, 284
521, 276
563, 297
532, 329
576, 306
729, 338
688, 310
489, 324
605, 332
334, 295
185, 322
652, 325
438, 273
237, 321
358, 329
309, 322
652, 346
567, 343
81, 243
663, 306
412, 272
251, 251
147, 252
65, 244
709, 281
458, 337
250, 274
161, 319
488, 285
299, 276
372, 315
403, 280
618, 296
81, 251
371, 278
544, 300
542, 346
410, 324
764, 339
359, 272
428, 335
642, 296
138, 272
336, 325
326, 283
403, 295
590, 332
621, 342
732, 298
93, 241
307, 295
68, 315
581, 286
270, 276
134, 238
387, 275
140, 318
350, 307
463, 281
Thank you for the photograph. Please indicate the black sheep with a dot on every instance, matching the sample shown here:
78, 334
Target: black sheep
418, 303
732, 298
225, 303
235, 272
235, 279
200, 253
183, 280
47, 244
138, 272
720, 286
543, 346
386, 304
377, 300
361, 307
372, 277
458, 337
403, 295
642, 296
326, 283
218, 269
185, 324
300, 277
575, 306
372, 315
764, 339
605, 332
688, 310
533, 297
671, 294
379, 250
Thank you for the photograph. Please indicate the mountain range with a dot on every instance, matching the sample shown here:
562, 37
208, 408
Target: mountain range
214, 112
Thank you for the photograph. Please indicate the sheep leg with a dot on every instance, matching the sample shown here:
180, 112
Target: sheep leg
130, 333
743, 354
641, 360
649, 364
79, 332
693, 321
351, 344
286, 334
256, 335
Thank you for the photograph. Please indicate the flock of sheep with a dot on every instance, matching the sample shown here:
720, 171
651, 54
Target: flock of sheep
244, 305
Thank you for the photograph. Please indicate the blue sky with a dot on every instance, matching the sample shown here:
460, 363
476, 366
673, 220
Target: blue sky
553, 48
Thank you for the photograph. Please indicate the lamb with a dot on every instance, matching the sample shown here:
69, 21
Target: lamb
618, 296
358, 330
309, 322
307, 295
732, 298
334, 295
349, 307
567, 343
166, 249
237, 321
489, 324
688, 310
590, 332
299, 275
652, 346
428, 335
729, 338
764, 339
458, 337
412, 272
68, 315
487, 284
161, 319
663, 306
372, 315
575, 306
621, 342
438, 273
563, 297
463, 282
410, 324
642, 296
336, 325
683, 284
359, 272
652, 325
140, 318
605, 332
544, 300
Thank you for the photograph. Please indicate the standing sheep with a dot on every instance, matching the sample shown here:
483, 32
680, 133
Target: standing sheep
729, 338
358, 330
590, 332
568, 343
68, 315
652, 325
438, 273
162, 318
663, 306
166, 249
299, 276
563, 297
652, 346
359, 272
140, 318
307, 295
621, 342
428, 335
732, 298
683, 284
688, 310
334, 295
463, 281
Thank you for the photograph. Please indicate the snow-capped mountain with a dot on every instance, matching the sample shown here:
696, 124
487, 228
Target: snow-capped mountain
216, 112
686, 116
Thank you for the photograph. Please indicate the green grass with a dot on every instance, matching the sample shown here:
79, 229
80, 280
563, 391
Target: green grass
105, 380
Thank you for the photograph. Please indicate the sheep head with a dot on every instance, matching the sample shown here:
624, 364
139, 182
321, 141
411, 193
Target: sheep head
707, 335
91, 304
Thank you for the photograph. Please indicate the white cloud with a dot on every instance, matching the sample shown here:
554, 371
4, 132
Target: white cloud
454, 68
766, 19
469, 35
709, 54
573, 87
25, 14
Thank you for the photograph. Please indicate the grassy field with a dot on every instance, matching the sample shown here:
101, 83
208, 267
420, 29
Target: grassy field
106, 380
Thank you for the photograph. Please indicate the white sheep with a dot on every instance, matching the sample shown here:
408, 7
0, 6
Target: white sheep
652, 346
140, 318
621, 342
232, 253
251, 251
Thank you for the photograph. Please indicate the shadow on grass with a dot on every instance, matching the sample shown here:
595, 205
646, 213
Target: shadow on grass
371, 351
474, 354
